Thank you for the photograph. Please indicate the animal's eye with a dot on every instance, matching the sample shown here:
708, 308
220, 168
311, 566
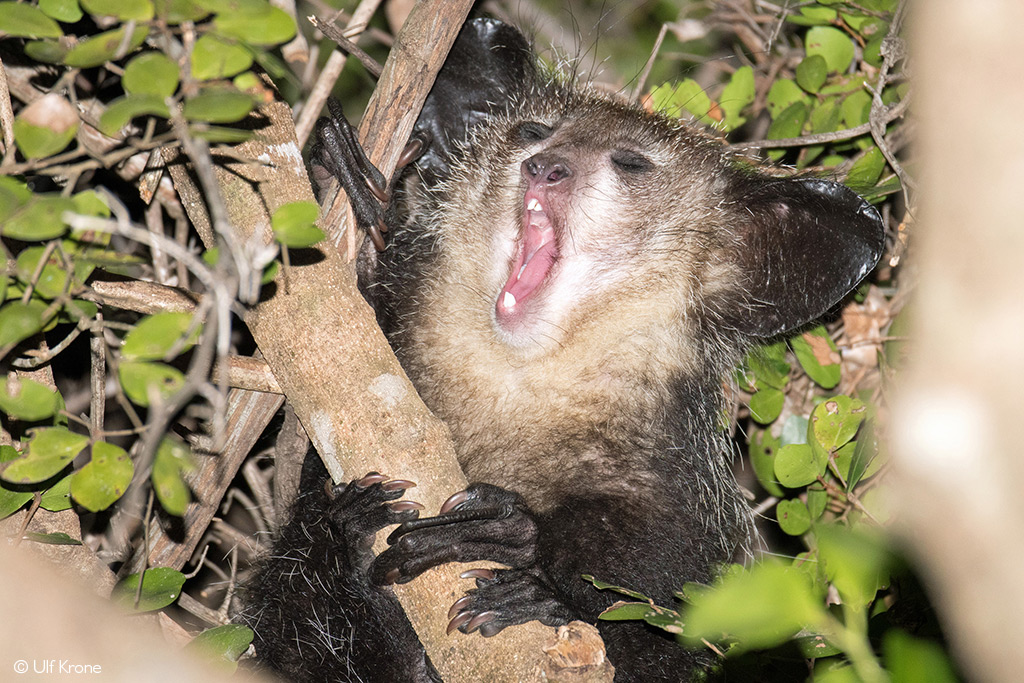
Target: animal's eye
532, 131
631, 162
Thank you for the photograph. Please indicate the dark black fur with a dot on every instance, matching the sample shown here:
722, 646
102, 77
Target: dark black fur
635, 491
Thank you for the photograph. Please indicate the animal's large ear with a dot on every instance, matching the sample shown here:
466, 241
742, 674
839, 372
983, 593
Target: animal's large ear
489, 64
802, 245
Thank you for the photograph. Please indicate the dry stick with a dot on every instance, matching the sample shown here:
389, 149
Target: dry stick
635, 96
335, 34
6, 115
893, 50
329, 74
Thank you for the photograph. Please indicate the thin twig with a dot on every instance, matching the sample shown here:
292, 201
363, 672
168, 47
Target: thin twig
6, 116
893, 50
330, 72
649, 65
332, 32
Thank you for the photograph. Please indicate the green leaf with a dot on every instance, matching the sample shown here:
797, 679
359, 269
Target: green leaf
215, 57
39, 220
46, 51
604, 585
686, 95
234, 6
817, 499
61, 10
25, 21
769, 366
55, 538
867, 26
11, 500
161, 586
818, 356
842, 458
915, 660
157, 335
783, 94
57, 497
46, 126
865, 461
856, 108
89, 203
873, 51
824, 118
761, 608
813, 16
77, 309
834, 422
125, 10
49, 450
866, 171
626, 611
811, 73
52, 279
798, 465
218, 105
27, 399
248, 80
269, 26
794, 518
104, 479
124, 109
14, 195
815, 647
105, 47
855, 563
766, 405
151, 73
762, 448
789, 124
832, 44
20, 321
179, 11
223, 644
738, 93
794, 430
294, 225
220, 134
138, 378
172, 460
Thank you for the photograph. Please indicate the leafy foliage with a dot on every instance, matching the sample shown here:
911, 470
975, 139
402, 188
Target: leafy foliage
110, 79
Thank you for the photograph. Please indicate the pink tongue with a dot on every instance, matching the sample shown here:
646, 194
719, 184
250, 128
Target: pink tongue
538, 254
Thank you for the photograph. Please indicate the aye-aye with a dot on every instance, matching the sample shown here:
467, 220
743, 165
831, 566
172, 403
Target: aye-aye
566, 280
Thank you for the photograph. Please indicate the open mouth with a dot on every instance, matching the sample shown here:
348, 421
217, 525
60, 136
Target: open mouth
536, 253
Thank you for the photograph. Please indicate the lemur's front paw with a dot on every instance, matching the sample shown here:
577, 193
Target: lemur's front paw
483, 522
505, 597
362, 507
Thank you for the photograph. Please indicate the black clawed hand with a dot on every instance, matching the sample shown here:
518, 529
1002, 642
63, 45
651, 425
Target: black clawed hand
504, 597
338, 151
364, 506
